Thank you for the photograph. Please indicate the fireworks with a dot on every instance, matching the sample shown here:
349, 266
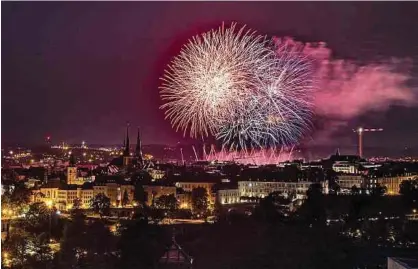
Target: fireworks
251, 156
239, 87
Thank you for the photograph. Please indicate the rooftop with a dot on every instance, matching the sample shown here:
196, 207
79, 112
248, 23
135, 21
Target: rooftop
406, 262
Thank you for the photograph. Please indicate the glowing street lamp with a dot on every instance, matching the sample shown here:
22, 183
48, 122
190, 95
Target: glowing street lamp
49, 204
7, 260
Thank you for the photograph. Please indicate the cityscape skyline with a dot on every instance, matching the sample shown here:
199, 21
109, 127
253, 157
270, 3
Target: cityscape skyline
205, 135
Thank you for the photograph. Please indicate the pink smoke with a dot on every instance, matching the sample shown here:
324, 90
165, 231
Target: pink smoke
346, 90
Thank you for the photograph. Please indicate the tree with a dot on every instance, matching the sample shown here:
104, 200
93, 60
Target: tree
379, 190
139, 194
20, 194
72, 244
17, 199
101, 204
355, 190
37, 218
141, 245
77, 203
16, 246
42, 252
409, 191
200, 201
167, 202
125, 198
315, 203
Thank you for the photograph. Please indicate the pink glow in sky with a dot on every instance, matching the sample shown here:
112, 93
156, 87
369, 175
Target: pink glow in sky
346, 89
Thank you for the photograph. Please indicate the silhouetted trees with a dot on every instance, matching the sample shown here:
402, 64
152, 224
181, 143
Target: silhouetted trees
86, 245
200, 201
141, 245
139, 194
314, 205
125, 198
167, 202
101, 204
409, 191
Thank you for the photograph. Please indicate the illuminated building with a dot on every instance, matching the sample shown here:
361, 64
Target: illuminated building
114, 188
263, 188
391, 183
184, 199
345, 167
189, 186
72, 172
228, 196
155, 191
62, 195
346, 181
156, 174
128, 159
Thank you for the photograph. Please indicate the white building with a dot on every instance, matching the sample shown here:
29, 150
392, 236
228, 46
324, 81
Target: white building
346, 181
264, 188
345, 167
228, 196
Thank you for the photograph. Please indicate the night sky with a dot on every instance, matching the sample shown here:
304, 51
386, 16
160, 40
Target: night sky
80, 70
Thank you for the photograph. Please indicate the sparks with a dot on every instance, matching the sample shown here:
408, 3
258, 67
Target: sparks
239, 87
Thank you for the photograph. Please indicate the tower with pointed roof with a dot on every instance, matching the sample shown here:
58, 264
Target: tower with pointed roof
127, 159
72, 171
126, 144
138, 150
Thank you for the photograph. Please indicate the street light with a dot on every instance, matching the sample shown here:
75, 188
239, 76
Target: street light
49, 203
7, 261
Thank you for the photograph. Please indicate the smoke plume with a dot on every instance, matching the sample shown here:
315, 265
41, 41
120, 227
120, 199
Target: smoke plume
346, 89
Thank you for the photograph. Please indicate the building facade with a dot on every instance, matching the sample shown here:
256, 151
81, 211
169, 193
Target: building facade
346, 181
228, 196
62, 196
345, 167
263, 188
189, 186
392, 183
155, 191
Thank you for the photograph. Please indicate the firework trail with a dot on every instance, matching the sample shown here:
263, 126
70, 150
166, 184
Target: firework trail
240, 87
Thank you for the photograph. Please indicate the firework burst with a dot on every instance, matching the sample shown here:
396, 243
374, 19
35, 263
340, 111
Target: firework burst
239, 87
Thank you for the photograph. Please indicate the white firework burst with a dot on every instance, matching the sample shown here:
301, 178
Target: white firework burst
212, 75
241, 88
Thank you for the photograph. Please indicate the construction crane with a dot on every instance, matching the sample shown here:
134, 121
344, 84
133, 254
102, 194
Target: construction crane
360, 131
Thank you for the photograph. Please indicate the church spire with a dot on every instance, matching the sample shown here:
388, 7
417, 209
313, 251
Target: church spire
126, 151
138, 150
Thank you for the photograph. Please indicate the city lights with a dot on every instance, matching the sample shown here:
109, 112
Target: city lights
273, 157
